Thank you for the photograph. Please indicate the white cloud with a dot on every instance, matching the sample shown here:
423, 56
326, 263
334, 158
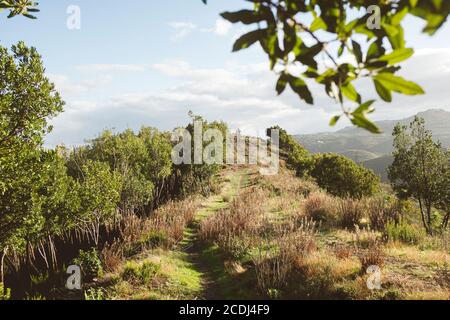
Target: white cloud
244, 96
112, 67
68, 87
182, 29
222, 27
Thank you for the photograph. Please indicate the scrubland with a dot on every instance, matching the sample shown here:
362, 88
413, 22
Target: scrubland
276, 237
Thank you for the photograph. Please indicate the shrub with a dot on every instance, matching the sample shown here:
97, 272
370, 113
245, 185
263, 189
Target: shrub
236, 247
321, 208
154, 239
343, 252
342, 177
90, 264
142, 274
442, 276
273, 267
242, 218
403, 232
373, 256
381, 210
298, 158
172, 219
5, 293
112, 256
365, 238
351, 212
95, 294
287, 184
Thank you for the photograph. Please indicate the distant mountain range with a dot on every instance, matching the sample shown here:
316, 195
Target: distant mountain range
374, 151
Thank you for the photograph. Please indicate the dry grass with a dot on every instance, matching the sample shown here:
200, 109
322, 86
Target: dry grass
273, 267
380, 211
373, 256
286, 183
164, 228
343, 251
351, 212
243, 217
321, 207
173, 218
112, 256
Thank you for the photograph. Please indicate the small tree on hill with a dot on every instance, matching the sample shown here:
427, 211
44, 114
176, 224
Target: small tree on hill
421, 170
342, 177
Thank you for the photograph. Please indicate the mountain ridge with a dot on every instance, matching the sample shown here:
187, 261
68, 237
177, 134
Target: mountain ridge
374, 151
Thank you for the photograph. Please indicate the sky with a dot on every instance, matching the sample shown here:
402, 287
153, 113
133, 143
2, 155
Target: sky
147, 63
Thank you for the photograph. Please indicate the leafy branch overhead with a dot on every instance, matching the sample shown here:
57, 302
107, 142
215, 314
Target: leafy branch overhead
297, 34
25, 8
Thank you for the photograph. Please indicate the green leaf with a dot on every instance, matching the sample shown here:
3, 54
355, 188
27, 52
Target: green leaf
375, 50
307, 55
395, 35
318, 24
350, 92
290, 38
361, 121
365, 108
382, 91
398, 84
301, 89
359, 118
244, 16
357, 51
249, 39
397, 56
334, 120
281, 83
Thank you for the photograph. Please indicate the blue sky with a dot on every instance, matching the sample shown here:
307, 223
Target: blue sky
143, 62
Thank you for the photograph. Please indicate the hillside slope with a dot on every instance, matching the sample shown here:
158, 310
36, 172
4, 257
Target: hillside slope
374, 150
280, 237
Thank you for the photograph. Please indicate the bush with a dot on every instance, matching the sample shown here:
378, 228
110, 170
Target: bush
95, 294
112, 256
154, 239
351, 212
5, 293
243, 217
381, 210
366, 238
342, 177
273, 268
142, 274
403, 232
321, 208
374, 256
90, 264
297, 157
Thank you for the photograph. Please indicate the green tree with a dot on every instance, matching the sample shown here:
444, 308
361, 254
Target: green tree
296, 156
420, 170
297, 34
99, 196
342, 177
27, 101
25, 8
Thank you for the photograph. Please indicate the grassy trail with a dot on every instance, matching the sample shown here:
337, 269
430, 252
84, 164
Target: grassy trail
205, 261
